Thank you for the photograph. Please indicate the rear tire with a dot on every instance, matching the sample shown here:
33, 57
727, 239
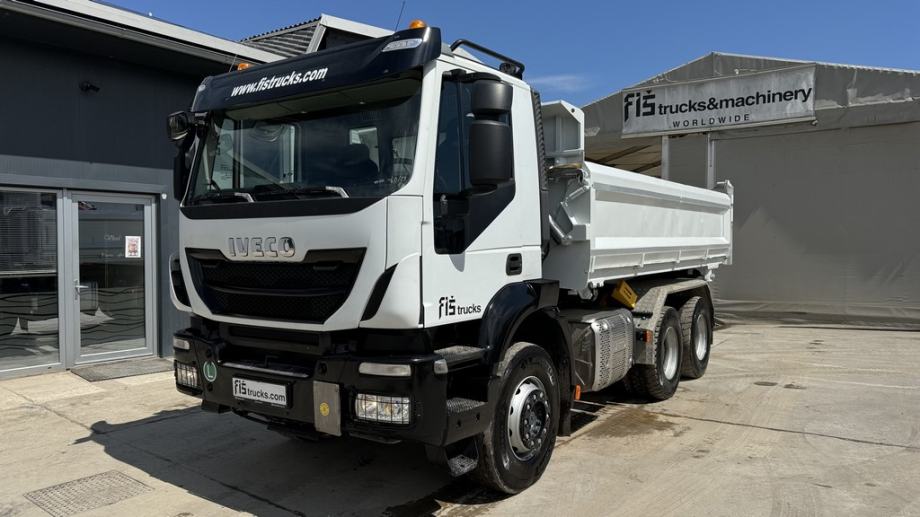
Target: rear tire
696, 322
659, 381
516, 447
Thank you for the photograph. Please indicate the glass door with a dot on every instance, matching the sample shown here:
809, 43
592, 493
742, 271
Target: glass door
113, 277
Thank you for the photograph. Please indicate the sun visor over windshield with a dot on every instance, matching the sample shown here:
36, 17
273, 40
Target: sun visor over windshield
337, 67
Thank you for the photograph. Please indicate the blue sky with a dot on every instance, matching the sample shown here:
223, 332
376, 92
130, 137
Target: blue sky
581, 51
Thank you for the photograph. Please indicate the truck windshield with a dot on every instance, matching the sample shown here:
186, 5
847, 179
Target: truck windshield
350, 143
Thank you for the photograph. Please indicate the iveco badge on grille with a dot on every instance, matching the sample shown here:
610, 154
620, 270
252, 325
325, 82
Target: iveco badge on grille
260, 246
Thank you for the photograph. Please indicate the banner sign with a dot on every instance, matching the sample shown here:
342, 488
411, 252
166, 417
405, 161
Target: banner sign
774, 97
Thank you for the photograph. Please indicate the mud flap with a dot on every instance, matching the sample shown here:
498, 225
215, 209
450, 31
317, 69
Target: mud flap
327, 411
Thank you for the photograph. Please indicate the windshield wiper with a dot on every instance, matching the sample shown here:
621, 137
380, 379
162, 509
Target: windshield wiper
223, 196
317, 190
272, 190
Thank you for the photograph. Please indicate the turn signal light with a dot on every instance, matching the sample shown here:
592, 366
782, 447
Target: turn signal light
243, 66
417, 24
577, 392
385, 369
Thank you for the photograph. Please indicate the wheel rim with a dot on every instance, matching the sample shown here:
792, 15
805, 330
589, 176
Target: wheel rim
670, 343
701, 340
528, 418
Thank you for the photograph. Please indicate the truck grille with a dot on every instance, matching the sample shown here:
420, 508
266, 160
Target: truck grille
309, 291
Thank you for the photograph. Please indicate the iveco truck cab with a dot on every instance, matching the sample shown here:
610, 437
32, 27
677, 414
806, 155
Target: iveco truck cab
384, 240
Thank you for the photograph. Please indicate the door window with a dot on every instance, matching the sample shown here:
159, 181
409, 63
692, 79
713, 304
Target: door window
460, 212
111, 276
448, 168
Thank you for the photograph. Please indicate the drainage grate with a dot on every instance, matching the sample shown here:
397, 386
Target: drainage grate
117, 370
87, 493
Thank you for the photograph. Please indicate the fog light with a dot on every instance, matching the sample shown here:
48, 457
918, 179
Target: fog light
186, 375
379, 408
385, 370
181, 344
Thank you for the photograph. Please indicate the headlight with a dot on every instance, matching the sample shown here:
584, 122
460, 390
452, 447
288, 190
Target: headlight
181, 344
186, 375
379, 408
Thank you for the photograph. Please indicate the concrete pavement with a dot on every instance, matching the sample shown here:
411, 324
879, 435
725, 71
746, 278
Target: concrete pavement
789, 420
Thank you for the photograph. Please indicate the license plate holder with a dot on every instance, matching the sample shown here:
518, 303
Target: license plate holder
270, 393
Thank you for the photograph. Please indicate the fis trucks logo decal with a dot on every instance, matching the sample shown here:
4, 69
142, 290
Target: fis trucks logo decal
280, 81
447, 306
642, 103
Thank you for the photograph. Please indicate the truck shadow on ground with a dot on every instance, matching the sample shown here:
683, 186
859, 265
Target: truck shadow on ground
245, 467
241, 465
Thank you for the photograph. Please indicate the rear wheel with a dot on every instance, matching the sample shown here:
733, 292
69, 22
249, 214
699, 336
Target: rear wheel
659, 381
516, 447
696, 322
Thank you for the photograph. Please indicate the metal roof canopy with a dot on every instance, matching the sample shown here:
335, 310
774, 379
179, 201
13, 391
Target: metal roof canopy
129, 25
845, 96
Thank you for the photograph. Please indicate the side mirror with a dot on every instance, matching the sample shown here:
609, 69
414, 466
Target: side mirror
491, 98
491, 147
178, 125
491, 153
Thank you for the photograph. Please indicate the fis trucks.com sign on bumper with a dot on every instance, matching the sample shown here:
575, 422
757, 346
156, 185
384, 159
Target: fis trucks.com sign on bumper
774, 97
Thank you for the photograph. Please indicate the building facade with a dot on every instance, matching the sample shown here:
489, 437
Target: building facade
87, 215
825, 164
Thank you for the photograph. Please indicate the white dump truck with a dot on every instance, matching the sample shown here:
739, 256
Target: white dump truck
393, 241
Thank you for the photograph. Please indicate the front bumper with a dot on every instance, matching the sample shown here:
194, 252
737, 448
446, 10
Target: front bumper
434, 419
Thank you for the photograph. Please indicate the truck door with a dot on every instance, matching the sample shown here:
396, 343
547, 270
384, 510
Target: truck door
477, 240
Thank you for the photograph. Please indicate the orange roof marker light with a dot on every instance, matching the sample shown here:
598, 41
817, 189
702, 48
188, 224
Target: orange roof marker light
417, 24
243, 66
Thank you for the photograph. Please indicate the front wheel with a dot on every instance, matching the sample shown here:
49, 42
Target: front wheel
516, 447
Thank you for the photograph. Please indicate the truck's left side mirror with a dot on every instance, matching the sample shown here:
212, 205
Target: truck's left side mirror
490, 145
178, 125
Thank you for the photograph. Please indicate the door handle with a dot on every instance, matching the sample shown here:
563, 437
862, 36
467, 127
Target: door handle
514, 264
76, 289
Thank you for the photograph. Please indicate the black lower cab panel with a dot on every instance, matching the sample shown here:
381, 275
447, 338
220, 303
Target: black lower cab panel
307, 385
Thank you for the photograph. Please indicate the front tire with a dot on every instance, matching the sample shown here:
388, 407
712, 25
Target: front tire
696, 322
659, 381
516, 447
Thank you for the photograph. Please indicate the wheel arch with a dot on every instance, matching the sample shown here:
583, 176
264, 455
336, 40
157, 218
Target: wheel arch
525, 311
679, 298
